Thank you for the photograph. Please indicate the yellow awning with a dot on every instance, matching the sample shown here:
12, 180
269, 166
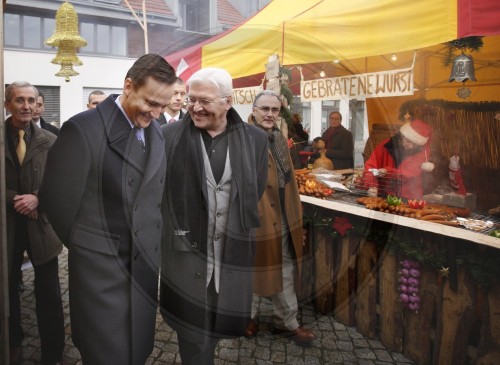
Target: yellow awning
301, 32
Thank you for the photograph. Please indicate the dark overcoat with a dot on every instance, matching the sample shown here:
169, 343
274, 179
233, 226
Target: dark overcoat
106, 208
340, 148
183, 294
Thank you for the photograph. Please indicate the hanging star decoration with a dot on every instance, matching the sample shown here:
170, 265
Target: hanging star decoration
444, 272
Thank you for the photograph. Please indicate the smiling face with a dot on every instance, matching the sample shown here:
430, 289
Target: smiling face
266, 111
211, 113
145, 103
21, 106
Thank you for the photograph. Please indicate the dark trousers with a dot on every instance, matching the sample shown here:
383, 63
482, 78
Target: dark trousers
196, 353
49, 311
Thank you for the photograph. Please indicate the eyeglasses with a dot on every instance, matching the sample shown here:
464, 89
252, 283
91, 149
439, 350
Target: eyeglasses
203, 102
266, 109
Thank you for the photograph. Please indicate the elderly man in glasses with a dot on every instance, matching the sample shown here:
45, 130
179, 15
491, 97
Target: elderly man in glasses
280, 237
216, 173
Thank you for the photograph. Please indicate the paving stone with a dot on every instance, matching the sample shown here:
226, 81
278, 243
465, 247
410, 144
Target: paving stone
335, 342
382, 355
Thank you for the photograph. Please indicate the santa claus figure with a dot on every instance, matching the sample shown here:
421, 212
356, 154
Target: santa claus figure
397, 163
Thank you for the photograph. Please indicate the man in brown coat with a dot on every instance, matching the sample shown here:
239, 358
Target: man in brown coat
280, 237
26, 148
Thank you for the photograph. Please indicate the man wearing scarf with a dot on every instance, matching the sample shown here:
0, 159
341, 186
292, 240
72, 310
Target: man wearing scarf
280, 238
216, 174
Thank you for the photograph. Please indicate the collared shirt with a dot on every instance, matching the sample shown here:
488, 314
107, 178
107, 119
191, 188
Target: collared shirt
216, 148
14, 132
168, 117
140, 131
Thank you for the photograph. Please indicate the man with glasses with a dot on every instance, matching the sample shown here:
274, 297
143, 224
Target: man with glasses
280, 238
210, 218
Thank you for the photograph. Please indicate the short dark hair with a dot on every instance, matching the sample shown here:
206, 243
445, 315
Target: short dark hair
40, 94
96, 92
151, 65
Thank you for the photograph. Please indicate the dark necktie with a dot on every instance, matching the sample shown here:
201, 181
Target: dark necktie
138, 136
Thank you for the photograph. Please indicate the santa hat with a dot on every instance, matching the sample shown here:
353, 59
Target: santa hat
416, 132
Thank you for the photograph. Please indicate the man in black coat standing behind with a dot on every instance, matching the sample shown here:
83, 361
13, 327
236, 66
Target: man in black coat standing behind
37, 115
102, 191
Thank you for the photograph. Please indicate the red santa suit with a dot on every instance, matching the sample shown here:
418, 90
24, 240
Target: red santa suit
404, 167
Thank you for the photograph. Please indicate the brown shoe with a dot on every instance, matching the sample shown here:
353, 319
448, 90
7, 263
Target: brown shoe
251, 329
300, 335
16, 356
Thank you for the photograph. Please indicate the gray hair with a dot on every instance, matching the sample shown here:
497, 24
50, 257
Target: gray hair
265, 92
216, 76
9, 91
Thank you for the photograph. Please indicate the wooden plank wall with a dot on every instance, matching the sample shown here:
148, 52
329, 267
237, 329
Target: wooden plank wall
357, 282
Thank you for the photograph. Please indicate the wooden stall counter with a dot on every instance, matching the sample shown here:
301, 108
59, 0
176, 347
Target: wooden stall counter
355, 273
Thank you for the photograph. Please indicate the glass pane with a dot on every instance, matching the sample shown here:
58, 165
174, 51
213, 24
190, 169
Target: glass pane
12, 30
119, 41
31, 32
103, 40
49, 25
87, 32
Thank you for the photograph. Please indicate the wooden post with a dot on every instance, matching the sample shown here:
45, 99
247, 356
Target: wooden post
489, 346
344, 281
391, 320
455, 317
366, 298
323, 262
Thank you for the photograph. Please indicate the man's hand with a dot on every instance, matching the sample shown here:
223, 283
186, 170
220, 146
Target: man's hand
25, 203
382, 172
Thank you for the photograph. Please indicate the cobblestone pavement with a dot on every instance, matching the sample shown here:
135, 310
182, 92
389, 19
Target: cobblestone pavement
335, 343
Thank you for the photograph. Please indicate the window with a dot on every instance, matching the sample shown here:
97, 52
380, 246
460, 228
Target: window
30, 32
52, 113
12, 30
25, 31
104, 39
196, 15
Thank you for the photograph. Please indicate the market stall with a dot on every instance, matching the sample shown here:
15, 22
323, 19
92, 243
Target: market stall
426, 289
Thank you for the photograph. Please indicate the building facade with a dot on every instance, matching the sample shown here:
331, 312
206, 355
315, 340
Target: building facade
115, 39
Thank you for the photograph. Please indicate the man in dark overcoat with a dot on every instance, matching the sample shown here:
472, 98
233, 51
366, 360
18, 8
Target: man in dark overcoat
217, 169
339, 143
102, 190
